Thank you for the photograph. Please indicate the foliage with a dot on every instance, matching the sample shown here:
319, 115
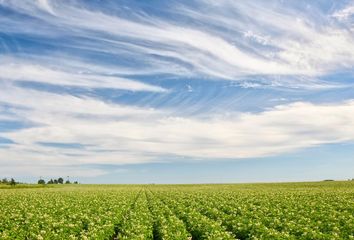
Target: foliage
41, 181
13, 182
60, 180
56, 181
322, 210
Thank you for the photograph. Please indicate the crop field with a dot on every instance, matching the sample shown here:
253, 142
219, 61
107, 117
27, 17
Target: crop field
322, 210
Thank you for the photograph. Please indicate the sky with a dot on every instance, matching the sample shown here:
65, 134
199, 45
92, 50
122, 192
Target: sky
195, 91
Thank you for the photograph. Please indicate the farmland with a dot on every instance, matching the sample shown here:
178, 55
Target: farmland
319, 210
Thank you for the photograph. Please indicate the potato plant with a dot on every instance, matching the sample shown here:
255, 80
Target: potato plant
323, 210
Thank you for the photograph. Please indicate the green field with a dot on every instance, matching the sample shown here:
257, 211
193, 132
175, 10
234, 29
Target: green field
322, 210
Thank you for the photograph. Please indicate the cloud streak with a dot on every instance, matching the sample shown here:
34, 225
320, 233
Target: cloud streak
127, 83
264, 45
12, 69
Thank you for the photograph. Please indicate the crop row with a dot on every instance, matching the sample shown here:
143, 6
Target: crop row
58, 214
166, 225
275, 214
179, 212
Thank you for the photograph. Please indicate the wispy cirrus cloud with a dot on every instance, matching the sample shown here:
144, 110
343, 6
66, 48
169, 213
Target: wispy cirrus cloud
17, 70
227, 43
201, 79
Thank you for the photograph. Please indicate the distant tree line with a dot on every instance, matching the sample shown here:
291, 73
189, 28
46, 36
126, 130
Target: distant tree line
11, 181
56, 181
60, 180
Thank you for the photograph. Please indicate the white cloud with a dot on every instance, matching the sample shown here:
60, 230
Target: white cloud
226, 46
17, 70
306, 45
282, 45
54, 104
150, 135
45, 5
345, 13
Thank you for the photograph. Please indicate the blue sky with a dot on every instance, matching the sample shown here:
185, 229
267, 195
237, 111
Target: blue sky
177, 91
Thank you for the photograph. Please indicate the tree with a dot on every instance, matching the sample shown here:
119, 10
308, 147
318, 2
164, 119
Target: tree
5, 181
55, 181
67, 182
12, 182
76, 182
41, 181
50, 181
60, 180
